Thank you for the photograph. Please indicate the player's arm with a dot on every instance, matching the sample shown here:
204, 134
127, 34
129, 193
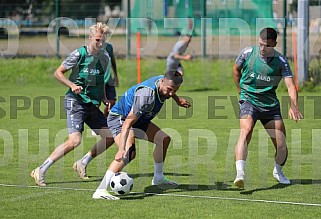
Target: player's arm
179, 54
182, 57
181, 101
238, 65
294, 112
70, 62
287, 75
143, 102
237, 73
60, 76
128, 123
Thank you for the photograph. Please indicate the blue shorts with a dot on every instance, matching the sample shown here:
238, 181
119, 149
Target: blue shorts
79, 113
264, 114
115, 124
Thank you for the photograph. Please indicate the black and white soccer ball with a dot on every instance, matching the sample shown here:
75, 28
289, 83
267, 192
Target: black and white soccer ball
121, 183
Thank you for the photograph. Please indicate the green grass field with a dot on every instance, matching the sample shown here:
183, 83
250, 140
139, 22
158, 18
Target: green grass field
200, 158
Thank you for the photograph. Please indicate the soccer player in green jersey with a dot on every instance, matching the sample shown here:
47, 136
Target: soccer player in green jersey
90, 67
80, 166
257, 73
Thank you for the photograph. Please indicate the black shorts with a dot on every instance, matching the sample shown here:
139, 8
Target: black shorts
79, 113
264, 114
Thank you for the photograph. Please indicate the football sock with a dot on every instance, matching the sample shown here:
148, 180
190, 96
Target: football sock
45, 165
158, 171
87, 158
106, 180
277, 168
240, 164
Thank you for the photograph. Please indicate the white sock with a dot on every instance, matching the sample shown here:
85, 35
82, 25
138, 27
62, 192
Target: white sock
158, 171
45, 165
106, 180
87, 158
277, 168
240, 164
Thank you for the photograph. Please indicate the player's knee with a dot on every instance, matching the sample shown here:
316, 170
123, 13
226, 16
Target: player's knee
247, 131
166, 141
73, 143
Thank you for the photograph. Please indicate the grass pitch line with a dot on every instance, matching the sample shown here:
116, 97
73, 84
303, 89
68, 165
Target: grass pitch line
236, 199
174, 195
46, 187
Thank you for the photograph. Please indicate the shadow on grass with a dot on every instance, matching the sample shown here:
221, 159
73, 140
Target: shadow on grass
276, 186
99, 178
91, 179
305, 181
155, 190
282, 186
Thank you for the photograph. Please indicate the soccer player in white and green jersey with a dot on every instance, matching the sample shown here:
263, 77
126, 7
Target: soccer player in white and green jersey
90, 66
257, 73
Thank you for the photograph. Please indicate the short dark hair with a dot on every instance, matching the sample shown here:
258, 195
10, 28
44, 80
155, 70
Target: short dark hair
268, 34
174, 76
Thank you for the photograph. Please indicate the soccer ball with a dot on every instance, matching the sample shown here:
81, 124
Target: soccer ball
121, 183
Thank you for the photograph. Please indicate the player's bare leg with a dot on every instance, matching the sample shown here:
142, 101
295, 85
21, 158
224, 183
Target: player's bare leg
277, 133
241, 149
73, 141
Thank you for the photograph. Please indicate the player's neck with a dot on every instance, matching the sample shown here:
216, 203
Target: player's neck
92, 50
267, 56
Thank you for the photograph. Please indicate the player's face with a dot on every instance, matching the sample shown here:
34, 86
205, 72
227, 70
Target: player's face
167, 89
267, 47
97, 41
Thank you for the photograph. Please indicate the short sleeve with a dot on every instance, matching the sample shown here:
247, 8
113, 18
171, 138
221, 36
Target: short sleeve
144, 99
72, 60
244, 54
285, 68
179, 48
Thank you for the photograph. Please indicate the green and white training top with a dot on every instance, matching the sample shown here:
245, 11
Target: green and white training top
91, 72
260, 78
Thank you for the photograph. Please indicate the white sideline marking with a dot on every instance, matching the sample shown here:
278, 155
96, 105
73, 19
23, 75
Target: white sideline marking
46, 187
175, 195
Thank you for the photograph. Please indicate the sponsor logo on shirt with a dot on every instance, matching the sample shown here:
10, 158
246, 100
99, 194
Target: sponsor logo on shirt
91, 71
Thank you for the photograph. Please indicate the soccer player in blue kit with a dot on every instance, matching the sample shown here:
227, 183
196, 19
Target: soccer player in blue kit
131, 117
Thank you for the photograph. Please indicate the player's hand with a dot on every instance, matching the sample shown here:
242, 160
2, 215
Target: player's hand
183, 103
188, 57
109, 104
107, 109
295, 114
120, 155
76, 89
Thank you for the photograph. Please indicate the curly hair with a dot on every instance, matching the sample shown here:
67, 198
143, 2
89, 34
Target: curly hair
99, 27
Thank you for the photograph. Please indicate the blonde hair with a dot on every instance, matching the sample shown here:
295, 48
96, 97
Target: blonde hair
99, 27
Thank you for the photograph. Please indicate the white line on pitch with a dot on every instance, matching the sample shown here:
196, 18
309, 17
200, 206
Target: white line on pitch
176, 195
